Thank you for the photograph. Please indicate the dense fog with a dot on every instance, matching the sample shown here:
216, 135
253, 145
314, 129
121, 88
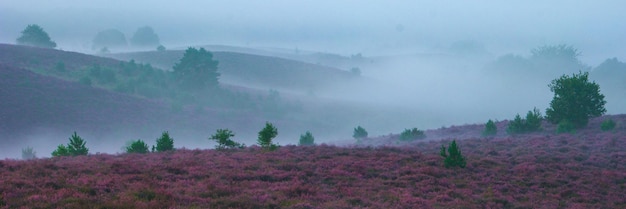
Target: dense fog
425, 64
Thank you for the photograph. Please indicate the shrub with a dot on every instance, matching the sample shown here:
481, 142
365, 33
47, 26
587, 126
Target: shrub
34, 35
359, 133
532, 123
60, 151
453, 158
266, 135
137, 146
490, 129
75, 147
160, 48
412, 134
565, 127
607, 125
164, 143
575, 100
28, 153
222, 137
307, 139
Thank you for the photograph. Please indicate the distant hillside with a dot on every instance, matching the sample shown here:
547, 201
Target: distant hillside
255, 70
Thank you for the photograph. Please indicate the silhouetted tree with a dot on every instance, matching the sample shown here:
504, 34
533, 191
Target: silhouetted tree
306, 139
75, 147
145, 37
196, 70
575, 100
359, 133
34, 35
109, 39
490, 128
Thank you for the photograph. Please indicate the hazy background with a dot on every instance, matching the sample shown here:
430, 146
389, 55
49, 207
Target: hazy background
424, 61
347, 27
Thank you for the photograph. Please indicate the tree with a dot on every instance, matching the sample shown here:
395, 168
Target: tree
137, 146
359, 133
575, 100
454, 157
307, 139
164, 143
196, 70
532, 123
145, 37
222, 137
490, 129
34, 35
28, 153
412, 134
109, 39
75, 147
266, 135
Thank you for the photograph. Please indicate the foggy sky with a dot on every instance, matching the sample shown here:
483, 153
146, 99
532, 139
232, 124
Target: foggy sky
346, 27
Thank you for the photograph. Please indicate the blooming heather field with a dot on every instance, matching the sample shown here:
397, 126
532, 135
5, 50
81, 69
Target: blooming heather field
584, 170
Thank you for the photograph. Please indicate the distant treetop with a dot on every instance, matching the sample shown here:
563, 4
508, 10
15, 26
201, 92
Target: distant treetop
145, 37
111, 38
34, 35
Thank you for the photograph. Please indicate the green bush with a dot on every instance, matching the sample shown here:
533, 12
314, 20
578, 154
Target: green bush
266, 135
453, 157
307, 139
75, 147
490, 129
359, 133
196, 70
28, 153
608, 125
34, 35
412, 134
575, 100
565, 127
532, 123
137, 146
164, 143
222, 137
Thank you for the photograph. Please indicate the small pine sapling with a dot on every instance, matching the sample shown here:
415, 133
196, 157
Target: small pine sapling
164, 143
307, 139
60, 151
77, 146
490, 128
137, 146
266, 135
28, 153
608, 125
222, 137
359, 133
453, 158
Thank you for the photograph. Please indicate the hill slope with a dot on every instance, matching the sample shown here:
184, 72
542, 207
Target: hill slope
254, 70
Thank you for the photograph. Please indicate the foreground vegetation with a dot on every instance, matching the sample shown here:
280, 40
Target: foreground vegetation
587, 170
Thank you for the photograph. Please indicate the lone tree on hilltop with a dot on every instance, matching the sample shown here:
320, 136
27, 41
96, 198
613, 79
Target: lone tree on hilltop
34, 35
196, 70
307, 139
575, 100
138, 146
